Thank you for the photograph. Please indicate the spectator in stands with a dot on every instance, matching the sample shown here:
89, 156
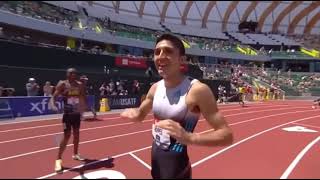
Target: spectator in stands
104, 90
88, 87
123, 93
6, 91
109, 91
114, 93
81, 47
119, 87
106, 70
32, 87
1, 31
249, 92
84, 80
112, 86
279, 73
48, 89
222, 94
10, 91
289, 73
272, 92
277, 92
135, 87
1, 91
149, 72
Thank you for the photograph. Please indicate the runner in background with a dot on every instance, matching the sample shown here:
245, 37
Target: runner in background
84, 79
72, 91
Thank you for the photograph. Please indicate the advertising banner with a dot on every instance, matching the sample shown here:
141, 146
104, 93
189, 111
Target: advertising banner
121, 102
131, 62
32, 106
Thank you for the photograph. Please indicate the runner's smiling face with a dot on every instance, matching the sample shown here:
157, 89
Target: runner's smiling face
167, 59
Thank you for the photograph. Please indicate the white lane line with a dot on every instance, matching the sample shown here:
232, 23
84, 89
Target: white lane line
81, 130
110, 137
247, 139
294, 163
43, 126
95, 162
58, 124
53, 174
118, 117
57, 117
85, 142
141, 161
312, 126
121, 124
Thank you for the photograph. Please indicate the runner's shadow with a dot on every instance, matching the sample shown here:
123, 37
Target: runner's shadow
92, 164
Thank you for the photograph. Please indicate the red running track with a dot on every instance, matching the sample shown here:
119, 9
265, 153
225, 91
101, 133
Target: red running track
262, 149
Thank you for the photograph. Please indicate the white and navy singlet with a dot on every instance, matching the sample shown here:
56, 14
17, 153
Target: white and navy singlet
169, 157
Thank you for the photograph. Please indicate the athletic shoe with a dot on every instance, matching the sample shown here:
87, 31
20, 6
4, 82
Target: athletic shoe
58, 166
78, 157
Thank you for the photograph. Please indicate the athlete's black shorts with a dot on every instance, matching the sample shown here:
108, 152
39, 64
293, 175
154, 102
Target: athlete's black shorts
71, 120
170, 164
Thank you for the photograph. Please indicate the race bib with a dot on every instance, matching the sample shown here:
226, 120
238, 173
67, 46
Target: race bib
161, 137
73, 100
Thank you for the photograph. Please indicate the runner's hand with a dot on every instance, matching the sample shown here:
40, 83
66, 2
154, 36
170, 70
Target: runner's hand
54, 108
175, 130
132, 114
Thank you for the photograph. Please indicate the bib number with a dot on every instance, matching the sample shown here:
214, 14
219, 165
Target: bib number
73, 101
161, 137
72, 105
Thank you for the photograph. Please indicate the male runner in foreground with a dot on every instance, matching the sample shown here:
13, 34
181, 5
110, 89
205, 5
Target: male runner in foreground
71, 91
177, 102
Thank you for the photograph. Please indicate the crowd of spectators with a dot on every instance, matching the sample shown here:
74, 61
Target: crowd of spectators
108, 88
41, 11
59, 15
44, 11
311, 41
302, 83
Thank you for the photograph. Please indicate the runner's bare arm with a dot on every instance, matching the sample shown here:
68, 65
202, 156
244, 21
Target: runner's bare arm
221, 133
83, 96
139, 114
57, 92
203, 98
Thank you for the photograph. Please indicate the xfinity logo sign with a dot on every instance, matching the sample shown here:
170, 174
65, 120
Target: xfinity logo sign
37, 105
43, 106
